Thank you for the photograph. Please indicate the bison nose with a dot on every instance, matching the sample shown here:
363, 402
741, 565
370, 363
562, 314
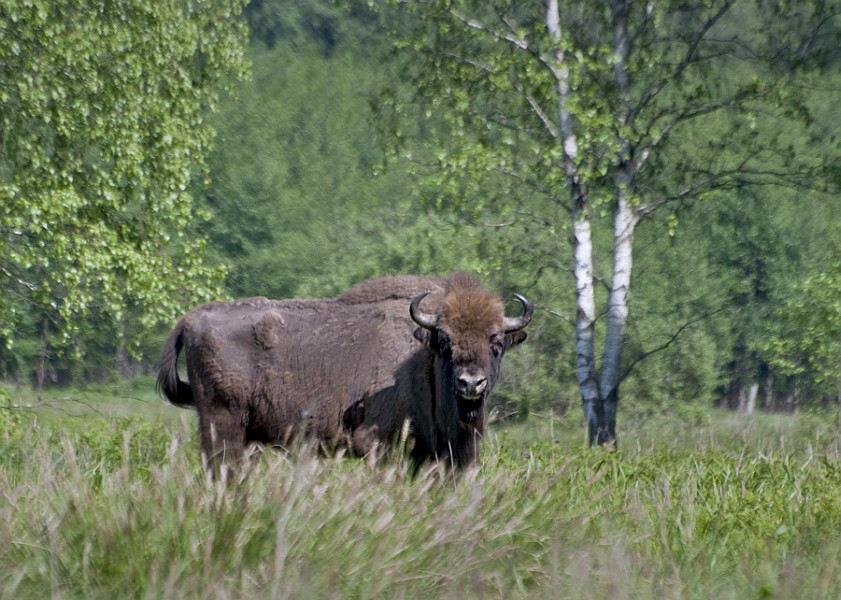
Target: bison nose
471, 384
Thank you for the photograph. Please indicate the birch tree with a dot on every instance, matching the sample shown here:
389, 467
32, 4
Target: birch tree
619, 108
102, 132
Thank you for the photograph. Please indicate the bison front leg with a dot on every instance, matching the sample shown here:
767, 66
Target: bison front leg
223, 442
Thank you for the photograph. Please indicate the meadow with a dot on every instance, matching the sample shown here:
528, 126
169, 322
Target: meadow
103, 495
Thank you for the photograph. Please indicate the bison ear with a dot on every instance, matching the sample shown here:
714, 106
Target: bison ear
515, 339
423, 336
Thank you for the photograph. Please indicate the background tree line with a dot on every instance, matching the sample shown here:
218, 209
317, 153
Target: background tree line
341, 158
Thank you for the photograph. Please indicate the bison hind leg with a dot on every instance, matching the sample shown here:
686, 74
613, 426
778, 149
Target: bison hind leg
223, 441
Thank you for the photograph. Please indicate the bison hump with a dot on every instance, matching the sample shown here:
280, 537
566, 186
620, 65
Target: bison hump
266, 329
391, 287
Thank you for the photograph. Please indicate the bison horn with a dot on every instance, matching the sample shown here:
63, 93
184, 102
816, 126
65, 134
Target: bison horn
423, 319
511, 324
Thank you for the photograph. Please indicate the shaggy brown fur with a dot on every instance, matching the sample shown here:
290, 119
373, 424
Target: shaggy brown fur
347, 372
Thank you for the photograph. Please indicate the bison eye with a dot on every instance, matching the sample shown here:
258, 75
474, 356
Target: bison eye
497, 346
444, 345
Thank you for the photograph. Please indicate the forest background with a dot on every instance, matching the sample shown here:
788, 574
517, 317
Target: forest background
734, 292
157, 154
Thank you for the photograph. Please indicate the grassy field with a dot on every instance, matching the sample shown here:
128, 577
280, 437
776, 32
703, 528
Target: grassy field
102, 495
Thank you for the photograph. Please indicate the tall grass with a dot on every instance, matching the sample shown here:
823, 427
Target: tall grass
122, 508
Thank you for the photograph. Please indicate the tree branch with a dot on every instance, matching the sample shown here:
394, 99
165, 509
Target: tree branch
513, 40
547, 122
479, 26
668, 342
685, 61
683, 114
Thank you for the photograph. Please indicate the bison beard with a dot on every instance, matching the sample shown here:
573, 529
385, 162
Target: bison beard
469, 411
348, 372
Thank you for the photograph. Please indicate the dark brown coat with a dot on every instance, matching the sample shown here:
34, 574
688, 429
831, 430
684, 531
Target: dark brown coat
348, 372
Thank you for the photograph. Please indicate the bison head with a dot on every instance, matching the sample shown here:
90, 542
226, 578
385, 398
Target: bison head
467, 336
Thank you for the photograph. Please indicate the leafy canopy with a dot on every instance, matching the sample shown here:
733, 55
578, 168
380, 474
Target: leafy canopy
811, 341
102, 131
703, 98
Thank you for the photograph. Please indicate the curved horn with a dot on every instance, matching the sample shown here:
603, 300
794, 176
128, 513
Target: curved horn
423, 319
511, 324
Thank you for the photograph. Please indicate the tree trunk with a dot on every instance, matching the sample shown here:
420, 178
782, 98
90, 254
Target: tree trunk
585, 323
625, 221
753, 390
599, 391
624, 225
582, 243
767, 376
44, 355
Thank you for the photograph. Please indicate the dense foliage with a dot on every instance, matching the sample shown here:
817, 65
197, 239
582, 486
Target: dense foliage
103, 129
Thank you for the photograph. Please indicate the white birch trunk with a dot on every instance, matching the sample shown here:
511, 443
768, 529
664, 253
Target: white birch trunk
752, 393
617, 303
624, 225
585, 321
625, 222
582, 238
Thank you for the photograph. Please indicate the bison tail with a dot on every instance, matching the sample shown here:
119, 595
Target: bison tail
169, 384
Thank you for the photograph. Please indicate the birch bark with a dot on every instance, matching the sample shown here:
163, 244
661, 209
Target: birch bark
582, 238
625, 222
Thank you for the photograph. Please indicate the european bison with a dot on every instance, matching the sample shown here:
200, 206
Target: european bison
347, 372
